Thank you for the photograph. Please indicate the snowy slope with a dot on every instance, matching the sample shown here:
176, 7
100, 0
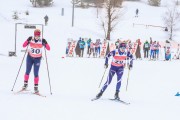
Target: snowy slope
152, 84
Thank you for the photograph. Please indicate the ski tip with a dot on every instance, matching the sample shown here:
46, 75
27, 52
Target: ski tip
121, 101
38, 94
93, 99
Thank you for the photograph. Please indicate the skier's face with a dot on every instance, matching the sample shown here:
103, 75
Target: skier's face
36, 37
122, 49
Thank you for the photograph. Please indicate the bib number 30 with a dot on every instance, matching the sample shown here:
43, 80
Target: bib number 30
35, 51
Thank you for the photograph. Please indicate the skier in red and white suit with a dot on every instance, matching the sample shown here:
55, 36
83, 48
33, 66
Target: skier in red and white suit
34, 57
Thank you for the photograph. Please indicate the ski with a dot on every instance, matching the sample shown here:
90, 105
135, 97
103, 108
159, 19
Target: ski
27, 91
20, 91
94, 99
38, 94
121, 101
116, 100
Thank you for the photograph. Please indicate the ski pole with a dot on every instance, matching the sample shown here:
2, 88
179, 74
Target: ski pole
127, 78
48, 71
102, 77
47, 62
20, 68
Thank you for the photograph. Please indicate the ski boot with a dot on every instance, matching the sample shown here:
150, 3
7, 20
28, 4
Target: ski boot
116, 96
36, 88
25, 85
99, 95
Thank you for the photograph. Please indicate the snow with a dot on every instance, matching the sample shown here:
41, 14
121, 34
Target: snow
74, 81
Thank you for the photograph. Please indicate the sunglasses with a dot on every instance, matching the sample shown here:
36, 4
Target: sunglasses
123, 48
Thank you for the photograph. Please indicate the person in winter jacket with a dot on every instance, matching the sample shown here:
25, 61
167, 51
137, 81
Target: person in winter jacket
92, 49
77, 49
117, 43
88, 45
97, 47
35, 46
138, 50
157, 49
46, 18
82, 46
146, 47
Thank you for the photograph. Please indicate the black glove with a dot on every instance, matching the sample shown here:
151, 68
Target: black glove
105, 65
130, 67
29, 39
44, 41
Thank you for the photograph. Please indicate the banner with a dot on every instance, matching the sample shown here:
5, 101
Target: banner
103, 49
72, 48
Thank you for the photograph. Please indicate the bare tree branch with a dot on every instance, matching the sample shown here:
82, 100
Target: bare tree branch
171, 19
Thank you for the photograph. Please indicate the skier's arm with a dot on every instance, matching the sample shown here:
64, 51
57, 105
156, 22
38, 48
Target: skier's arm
130, 57
112, 53
27, 41
46, 45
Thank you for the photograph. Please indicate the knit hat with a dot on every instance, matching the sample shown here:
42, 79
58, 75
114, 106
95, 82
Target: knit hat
122, 45
37, 32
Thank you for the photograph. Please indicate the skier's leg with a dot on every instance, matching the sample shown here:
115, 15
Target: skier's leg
109, 79
29, 63
118, 85
119, 78
37, 62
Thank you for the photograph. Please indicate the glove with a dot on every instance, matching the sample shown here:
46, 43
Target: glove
130, 67
29, 39
44, 41
105, 66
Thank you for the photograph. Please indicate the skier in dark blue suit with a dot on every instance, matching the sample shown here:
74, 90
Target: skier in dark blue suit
117, 66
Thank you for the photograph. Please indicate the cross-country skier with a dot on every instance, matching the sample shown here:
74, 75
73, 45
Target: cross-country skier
34, 57
117, 66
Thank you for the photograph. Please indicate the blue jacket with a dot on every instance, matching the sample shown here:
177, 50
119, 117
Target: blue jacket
82, 44
88, 42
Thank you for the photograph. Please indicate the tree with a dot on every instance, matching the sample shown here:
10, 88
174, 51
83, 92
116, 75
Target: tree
154, 2
98, 4
41, 2
171, 20
112, 15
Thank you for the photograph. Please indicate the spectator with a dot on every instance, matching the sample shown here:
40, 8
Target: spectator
137, 12
129, 46
158, 46
97, 47
117, 43
77, 49
166, 29
146, 48
82, 46
88, 44
46, 18
152, 50
138, 50
92, 49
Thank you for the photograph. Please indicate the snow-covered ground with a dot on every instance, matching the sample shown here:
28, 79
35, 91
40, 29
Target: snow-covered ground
75, 81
